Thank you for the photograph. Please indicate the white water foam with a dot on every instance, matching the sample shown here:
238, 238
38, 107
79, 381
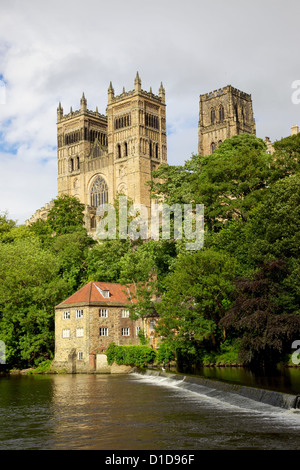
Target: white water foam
224, 400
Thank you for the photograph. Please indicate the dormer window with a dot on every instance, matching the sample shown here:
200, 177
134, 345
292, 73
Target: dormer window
104, 293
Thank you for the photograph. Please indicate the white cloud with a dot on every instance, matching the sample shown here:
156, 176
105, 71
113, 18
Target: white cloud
23, 185
53, 51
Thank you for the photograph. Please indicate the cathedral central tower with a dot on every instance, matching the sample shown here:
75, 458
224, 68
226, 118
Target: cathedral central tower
223, 113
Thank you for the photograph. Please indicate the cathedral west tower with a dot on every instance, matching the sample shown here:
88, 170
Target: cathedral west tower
101, 156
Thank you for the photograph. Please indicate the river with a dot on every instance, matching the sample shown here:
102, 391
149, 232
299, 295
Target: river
136, 412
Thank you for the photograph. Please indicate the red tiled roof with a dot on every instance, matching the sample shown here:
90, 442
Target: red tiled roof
91, 293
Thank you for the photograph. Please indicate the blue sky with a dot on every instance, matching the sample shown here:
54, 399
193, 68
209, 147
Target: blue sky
53, 51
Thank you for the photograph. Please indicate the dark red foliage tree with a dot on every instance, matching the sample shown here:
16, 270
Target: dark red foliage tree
262, 316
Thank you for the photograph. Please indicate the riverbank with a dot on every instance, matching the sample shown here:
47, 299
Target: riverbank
47, 368
282, 379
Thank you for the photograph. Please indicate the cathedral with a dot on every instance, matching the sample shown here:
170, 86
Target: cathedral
102, 155
223, 113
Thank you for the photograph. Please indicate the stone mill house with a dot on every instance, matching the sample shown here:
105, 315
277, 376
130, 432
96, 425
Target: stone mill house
92, 318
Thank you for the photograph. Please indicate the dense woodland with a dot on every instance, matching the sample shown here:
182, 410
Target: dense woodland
235, 301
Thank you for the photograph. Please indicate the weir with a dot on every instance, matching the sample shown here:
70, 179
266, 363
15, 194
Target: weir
214, 388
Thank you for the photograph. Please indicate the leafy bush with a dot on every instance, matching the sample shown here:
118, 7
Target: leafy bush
42, 368
165, 354
138, 356
227, 354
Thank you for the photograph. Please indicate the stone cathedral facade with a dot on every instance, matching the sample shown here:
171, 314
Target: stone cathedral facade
223, 113
101, 156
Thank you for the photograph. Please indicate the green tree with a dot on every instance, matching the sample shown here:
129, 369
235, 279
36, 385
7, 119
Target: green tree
72, 251
265, 312
229, 182
197, 295
6, 226
165, 354
285, 161
274, 228
137, 265
66, 216
148, 260
30, 287
232, 239
104, 260
173, 184
42, 230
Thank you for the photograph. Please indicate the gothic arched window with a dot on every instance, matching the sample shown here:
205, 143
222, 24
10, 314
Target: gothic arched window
236, 114
119, 151
243, 115
212, 116
221, 113
93, 222
99, 192
213, 147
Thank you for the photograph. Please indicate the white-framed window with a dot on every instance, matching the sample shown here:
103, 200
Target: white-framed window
125, 313
103, 312
66, 333
137, 330
66, 315
79, 332
103, 331
80, 355
125, 331
152, 324
79, 314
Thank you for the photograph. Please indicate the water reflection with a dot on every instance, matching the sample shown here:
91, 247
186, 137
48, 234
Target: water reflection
102, 412
285, 379
125, 412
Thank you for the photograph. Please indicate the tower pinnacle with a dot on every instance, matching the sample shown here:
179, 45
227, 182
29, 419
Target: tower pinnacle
161, 92
83, 103
111, 93
137, 83
60, 112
